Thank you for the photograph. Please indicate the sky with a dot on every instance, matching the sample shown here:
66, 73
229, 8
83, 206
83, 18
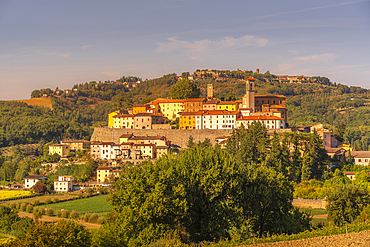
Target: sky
49, 44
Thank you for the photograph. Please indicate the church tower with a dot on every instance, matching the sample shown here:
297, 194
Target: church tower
248, 98
209, 91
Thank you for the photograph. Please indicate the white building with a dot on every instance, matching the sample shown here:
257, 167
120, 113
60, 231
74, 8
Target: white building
109, 150
64, 184
360, 157
216, 119
270, 122
31, 180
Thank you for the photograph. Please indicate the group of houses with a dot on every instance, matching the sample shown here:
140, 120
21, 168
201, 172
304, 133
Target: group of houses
131, 147
205, 113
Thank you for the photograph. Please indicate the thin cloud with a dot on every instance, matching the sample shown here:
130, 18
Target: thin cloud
308, 9
85, 47
207, 45
316, 57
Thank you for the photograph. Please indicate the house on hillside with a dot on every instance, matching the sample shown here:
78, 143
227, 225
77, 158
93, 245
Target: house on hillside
64, 184
31, 180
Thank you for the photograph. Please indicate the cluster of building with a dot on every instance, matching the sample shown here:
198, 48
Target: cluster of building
131, 147
68, 145
62, 184
205, 113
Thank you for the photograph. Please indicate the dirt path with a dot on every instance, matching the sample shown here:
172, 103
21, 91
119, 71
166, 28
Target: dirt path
45, 218
361, 239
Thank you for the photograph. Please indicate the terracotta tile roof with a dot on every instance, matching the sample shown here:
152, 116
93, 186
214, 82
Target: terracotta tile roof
158, 101
104, 168
359, 154
251, 79
227, 103
123, 115
35, 177
147, 138
270, 96
220, 112
259, 118
196, 99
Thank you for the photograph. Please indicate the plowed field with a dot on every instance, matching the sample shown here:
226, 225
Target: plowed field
351, 239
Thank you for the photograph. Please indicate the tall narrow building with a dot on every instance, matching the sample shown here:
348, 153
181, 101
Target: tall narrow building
248, 98
209, 91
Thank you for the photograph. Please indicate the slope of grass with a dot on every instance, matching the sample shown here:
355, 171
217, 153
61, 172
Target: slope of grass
95, 204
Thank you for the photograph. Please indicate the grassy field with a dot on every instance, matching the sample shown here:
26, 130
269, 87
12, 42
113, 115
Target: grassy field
45, 102
6, 194
95, 204
60, 196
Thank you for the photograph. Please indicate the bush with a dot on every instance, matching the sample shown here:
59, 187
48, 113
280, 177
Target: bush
65, 214
93, 217
42, 210
74, 214
29, 208
55, 200
47, 201
13, 205
23, 207
36, 202
35, 210
58, 213
49, 212
86, 217
101, 220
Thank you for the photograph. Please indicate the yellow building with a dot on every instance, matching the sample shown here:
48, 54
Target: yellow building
102, 174
187, 120
123, 121
228, 106
170, 108
139, 109
347, 147
111, 115
60, 149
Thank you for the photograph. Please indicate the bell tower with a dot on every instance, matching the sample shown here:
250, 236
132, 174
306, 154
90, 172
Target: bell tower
209, 91
248, 98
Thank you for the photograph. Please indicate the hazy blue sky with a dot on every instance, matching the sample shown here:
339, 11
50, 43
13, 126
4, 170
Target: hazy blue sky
62, 43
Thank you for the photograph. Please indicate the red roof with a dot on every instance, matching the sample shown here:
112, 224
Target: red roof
104, 168
251, 79
260, 118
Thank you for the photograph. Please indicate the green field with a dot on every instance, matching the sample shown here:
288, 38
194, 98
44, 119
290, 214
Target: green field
95, 204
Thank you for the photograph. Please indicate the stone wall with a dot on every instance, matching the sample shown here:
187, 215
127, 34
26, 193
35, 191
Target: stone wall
176, 136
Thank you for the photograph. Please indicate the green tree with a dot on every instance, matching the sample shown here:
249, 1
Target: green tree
64, 233
249, 144
345, 203
184, 89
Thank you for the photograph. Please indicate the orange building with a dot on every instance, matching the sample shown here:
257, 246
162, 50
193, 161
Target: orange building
187, 120
140, 109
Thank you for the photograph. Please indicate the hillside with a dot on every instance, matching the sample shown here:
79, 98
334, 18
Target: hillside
43, 102
73, 113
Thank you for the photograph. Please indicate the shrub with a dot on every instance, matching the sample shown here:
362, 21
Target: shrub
35, 210
55, 200
93, 217
47, 201
74, 214
42, 210
36, 202
13, 205
65, 214
29, 208
86, 217
58, 213
101, 220
49, 212
23, 207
